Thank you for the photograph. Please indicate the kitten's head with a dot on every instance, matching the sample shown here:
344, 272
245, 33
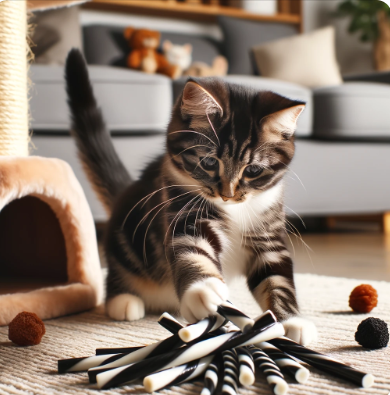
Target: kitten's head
232, 141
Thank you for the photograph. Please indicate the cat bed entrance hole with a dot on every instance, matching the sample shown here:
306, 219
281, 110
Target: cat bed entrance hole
32, 246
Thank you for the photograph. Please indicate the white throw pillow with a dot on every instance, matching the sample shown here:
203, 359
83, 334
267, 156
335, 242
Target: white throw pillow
306, 59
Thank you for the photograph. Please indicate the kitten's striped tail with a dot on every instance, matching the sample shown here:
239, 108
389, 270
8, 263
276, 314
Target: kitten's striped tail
101, 163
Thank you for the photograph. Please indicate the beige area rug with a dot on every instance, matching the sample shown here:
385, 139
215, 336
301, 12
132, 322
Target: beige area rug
32, 370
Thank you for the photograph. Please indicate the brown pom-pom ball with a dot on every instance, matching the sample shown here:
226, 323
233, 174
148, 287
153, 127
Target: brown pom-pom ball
363, 298
26, 329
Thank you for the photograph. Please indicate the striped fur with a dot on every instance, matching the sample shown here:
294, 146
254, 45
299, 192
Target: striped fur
207, 210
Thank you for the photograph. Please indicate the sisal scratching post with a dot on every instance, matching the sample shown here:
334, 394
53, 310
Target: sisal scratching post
13, 79
49, 262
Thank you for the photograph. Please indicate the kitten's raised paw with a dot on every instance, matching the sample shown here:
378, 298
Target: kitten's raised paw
300, 330
125, 307
202, 299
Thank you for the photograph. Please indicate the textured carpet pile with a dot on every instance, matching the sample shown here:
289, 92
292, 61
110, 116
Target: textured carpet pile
32, 370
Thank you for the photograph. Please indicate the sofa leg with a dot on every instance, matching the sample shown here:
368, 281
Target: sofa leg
386, 223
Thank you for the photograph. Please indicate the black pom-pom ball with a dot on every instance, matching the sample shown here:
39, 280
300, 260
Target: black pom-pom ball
372, 333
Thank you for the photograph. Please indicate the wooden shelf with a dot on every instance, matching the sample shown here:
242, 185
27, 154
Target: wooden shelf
205, 12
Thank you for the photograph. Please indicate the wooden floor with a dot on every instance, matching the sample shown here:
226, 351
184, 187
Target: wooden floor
353, 255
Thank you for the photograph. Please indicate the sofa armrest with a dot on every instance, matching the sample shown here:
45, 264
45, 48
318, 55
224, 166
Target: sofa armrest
376, 76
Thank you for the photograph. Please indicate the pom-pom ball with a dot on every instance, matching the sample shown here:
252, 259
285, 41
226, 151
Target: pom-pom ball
372, 333
363, 298
26, 329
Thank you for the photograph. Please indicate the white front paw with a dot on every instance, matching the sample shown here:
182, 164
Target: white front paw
300, 330
202, 299
125, 307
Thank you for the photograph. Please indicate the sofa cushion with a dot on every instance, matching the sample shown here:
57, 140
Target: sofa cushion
292, 91
106, 45
306, 59
131, 101
242, 35
354, 110
134, 151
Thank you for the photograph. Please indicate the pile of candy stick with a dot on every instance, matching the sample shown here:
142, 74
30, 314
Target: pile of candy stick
227, 356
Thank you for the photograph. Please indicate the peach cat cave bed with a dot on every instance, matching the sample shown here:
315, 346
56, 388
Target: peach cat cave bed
49, 262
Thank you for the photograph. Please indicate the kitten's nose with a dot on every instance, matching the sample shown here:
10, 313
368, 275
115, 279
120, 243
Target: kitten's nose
227, 191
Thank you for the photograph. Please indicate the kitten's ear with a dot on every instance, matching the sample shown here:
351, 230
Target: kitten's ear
197, 101
283, 122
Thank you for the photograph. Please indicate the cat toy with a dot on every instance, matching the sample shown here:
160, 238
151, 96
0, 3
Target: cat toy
226, 355
26, 329
363, 298
372, 333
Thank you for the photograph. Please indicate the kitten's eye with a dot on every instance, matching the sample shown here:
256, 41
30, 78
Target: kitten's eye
209, 163
253, 171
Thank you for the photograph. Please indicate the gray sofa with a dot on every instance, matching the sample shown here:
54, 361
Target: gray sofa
343, 137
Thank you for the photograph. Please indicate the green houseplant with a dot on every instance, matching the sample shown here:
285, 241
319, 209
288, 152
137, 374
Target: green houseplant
371, 19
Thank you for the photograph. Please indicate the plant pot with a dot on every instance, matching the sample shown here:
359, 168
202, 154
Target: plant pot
382, 44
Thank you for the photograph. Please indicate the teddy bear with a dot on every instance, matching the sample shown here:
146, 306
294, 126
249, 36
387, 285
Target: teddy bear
144, 55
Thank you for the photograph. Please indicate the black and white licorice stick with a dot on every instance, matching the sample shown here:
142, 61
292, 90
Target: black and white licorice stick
230, 372
246, 366
124, 374
272, 373
177, 375
117, 350
110, 361
324, 362
211, 376
84, 363
233, 314
154, 349
191, 332
170, 323
209, 324
166, 321
286, 364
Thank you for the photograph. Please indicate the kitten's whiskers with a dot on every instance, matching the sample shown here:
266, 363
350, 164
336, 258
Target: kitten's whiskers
147, 229
178, 217
189, 212
197, 213
179, 213
149, 196
157, 205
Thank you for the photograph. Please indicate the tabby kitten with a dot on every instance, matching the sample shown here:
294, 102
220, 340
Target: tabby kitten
208, 210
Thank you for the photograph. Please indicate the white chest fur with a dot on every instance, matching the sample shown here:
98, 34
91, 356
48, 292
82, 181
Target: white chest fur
243, 217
